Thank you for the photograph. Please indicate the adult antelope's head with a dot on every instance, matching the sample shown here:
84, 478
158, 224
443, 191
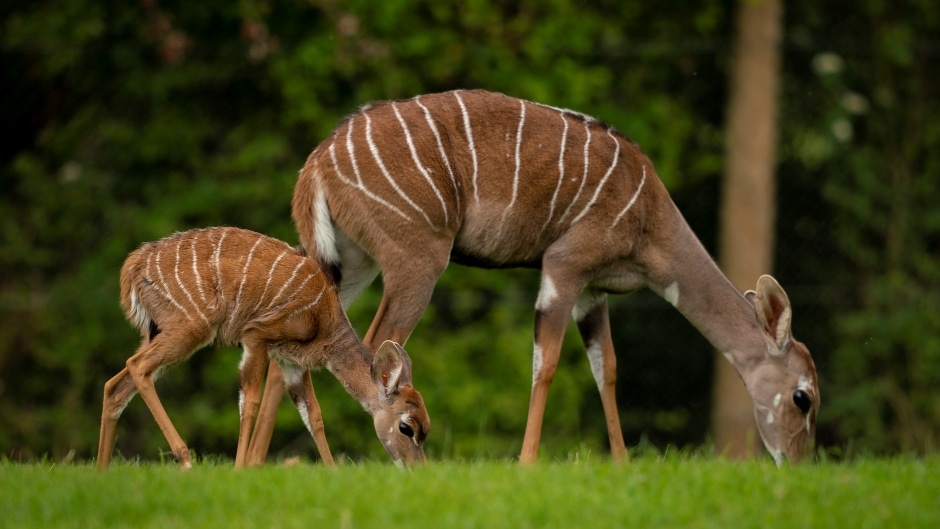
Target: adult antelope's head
783, 384
401, 420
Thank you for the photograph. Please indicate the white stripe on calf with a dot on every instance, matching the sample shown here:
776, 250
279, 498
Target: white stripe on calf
179, 281
268, 282
166, 288
310, 305
202, 293
286, 284
217, 261
241, 285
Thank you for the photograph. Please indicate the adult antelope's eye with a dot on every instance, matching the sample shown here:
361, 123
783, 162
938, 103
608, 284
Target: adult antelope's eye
802, 400
406, 430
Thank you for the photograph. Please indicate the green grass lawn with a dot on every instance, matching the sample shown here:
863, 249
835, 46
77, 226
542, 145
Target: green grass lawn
649, 492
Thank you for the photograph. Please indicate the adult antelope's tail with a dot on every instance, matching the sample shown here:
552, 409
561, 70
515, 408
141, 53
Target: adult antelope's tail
311, 215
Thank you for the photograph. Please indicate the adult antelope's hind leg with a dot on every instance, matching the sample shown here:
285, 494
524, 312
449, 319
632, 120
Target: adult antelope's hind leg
592, 317
300, 388
267, 415
557, 296
117, 393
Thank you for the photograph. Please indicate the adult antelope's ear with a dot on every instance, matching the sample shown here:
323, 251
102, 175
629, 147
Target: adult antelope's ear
772, 307
391, 367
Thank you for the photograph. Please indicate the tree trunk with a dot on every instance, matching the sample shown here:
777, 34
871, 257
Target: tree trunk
747, 206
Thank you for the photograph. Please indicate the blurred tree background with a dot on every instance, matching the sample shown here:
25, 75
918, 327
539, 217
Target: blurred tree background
127, 121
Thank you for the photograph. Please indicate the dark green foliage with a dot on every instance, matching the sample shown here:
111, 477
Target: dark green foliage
128, 121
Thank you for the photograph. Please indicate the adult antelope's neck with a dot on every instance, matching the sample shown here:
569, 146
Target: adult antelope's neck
692, 282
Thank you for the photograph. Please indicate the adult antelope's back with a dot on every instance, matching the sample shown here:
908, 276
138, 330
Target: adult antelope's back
403, 187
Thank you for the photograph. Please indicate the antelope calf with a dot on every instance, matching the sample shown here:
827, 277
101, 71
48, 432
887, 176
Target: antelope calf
479, 178
232, 286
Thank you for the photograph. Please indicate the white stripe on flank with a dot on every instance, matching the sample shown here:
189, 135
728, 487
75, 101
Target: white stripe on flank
471, 145
629, 205
166, 288
388, 176
440, 148
515, 178
600, 185
218, 265
560, 110
351, 151
268, 282
587, 159
241, 285
414, 156
179, 282
310, 305
202, 293
358, 185
561, 172
286, 284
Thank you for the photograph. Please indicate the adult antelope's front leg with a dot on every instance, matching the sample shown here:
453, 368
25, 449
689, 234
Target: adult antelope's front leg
557, 296
592, 316
406, 292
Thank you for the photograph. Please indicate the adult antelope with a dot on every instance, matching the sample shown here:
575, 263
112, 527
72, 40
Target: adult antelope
479, 178
228, 286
